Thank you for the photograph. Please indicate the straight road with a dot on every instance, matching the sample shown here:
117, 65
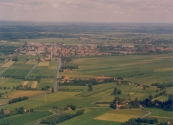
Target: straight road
57, 75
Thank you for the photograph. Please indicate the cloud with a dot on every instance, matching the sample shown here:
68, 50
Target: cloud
88, 10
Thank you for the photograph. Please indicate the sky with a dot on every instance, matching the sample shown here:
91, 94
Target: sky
142, 11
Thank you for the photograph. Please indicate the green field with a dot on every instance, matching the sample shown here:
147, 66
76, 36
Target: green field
161, 114
154, 68
121, 115
126, 66
24, 118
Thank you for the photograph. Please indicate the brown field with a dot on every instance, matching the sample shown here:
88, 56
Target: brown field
34, 84
17, 94
7, 64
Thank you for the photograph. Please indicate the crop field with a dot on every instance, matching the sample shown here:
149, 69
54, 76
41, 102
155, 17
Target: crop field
24, 118
31, 62
20, 68
43, 101
46, 68
2, 69
7, 64
25, 83
103, 90
34, 84
9, 82
121, 115
46, 63
88, 118
46, 82
16, 94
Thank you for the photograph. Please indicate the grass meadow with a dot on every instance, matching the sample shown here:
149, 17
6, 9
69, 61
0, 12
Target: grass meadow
129, 67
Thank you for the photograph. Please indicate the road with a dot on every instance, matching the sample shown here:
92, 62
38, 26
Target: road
57, 75
146, 114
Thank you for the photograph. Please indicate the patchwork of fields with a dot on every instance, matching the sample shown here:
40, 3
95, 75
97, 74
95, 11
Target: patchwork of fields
143, 69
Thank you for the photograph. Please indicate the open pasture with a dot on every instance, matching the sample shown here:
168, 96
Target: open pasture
135, 68
7, 64
121, 115
161, 114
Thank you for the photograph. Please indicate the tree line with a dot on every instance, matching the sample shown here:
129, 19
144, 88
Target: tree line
140, 121
53, 120
18, 99
163, 85
85, 82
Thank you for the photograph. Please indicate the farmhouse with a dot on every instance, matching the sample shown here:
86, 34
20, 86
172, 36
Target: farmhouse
6, 112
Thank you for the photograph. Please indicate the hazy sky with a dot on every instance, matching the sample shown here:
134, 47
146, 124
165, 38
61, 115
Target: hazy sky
88, 10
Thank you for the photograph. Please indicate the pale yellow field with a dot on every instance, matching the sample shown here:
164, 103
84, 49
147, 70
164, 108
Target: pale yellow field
52, 67
164, 69
17, 94
46, 63
7, 64
30, 62
34, 84
121, 115
25, 83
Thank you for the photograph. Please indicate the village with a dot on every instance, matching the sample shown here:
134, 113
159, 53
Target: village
50, 50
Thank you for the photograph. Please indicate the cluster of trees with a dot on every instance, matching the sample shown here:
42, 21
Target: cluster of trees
70, 106
139, 121
38, 77
68, 67
45, 88
84, 82
21, 87
125, 103
163, 85
139, 74
4, 87
18, 99
116, 91
53, 120
145, 103
20, 110
65, 59
90, 87
158, 104
14, 77
15, 59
